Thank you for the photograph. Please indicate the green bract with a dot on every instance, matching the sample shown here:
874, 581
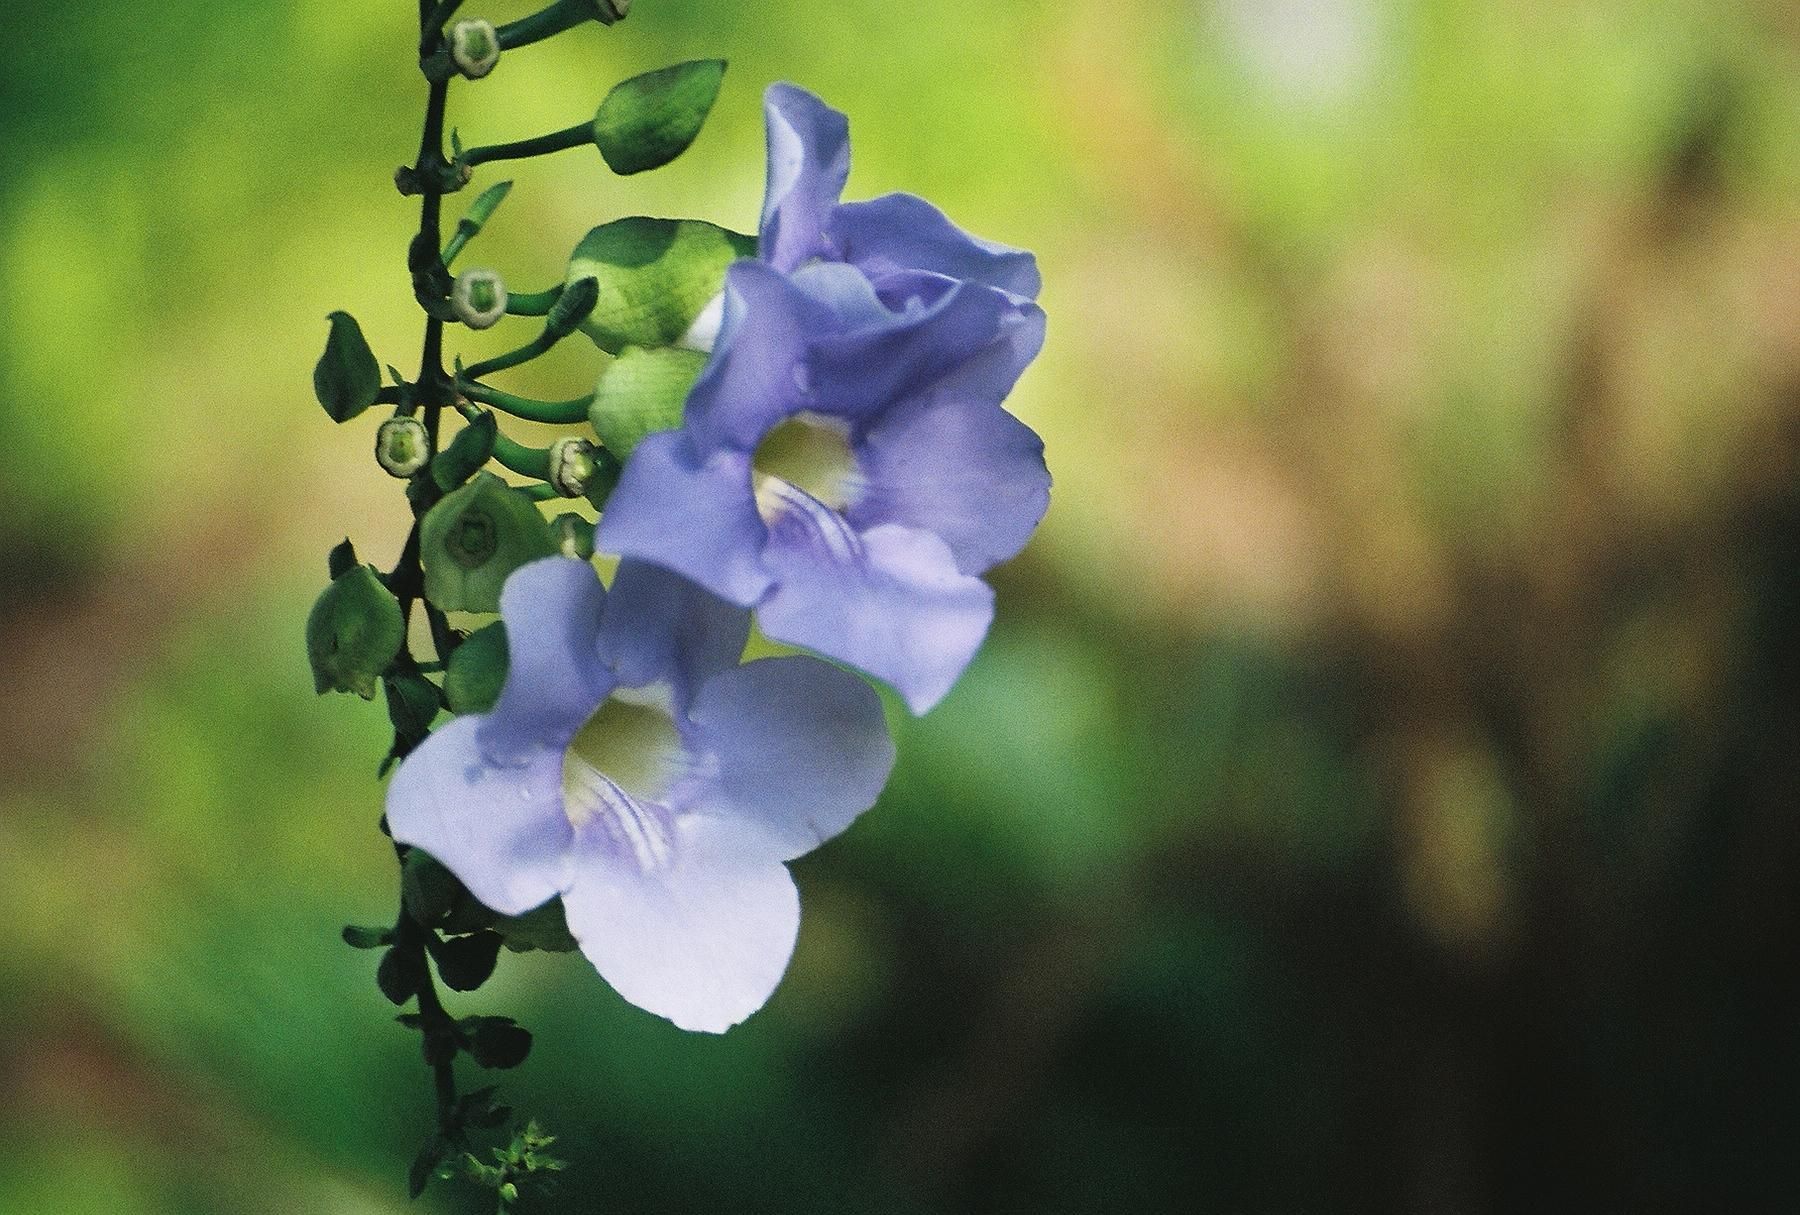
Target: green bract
347, 378
640, 392
474, 538
353, 632
476, 670
649, 120
654, 277
466, 453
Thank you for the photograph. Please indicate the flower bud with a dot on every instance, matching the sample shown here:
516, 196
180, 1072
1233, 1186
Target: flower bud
479, 298
574, 536
572, 465
474, 47
402, 447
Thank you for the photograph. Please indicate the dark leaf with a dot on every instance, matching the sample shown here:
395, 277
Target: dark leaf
464, 963
347, 378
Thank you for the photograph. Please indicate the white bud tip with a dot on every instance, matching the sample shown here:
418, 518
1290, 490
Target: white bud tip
479, 298
474, 47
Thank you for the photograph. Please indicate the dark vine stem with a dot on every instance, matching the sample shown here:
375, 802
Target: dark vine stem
431, 391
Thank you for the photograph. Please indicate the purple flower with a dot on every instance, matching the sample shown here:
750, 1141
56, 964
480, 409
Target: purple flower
634, 768
844, 465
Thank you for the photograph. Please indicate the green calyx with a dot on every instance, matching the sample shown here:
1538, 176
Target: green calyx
474, 47
353, 633
641, 392
472, 539
402, 447
654, 277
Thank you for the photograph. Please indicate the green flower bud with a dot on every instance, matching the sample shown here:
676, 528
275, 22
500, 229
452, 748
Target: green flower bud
472, 539
402, 447
573, 464
474, 47
656, 277
353, 632
574, 536
479, 298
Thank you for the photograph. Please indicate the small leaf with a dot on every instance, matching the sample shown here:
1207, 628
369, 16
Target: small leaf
477, 535
427, 888
653, 277
649, 120
477, 670
347, 378
425, 1165
413, 703
497, 1042
544, 928
466, 454
342, 559
641, 392
398, 975
464, 963
358, 937
353, 632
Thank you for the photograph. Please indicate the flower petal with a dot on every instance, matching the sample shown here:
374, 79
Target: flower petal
809, 162
554, 676
890, 602
658, 625
755, 375
963, 469
798, 749
500, 830
691, 514
701, 940
904, 232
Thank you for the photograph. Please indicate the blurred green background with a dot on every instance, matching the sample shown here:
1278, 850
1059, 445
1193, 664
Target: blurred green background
1377, 793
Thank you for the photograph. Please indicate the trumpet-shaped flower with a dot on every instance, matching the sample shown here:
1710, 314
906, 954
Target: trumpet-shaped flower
844, 465
634, 768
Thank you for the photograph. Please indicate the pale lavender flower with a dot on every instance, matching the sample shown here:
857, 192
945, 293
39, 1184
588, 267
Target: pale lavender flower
633, 767
844, 465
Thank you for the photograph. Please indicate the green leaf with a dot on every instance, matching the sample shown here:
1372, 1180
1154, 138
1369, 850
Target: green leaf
464, 963
471, 448
477, 670
496, 1041
471, 540
649, 120
641, 392
358, 937
353, 632
544, 928
398, 975
427, 888
654, 276
425, 1165
347, 377
413, 703
342, 559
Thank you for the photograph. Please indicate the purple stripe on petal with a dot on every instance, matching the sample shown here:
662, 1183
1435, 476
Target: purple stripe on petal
500, 830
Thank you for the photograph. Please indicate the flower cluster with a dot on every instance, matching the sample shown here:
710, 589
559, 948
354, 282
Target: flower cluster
844, 470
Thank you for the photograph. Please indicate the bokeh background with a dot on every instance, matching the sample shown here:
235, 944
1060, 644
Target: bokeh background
1377, 793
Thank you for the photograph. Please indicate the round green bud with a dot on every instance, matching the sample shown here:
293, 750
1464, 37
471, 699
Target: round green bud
574, 536
402, 447
572, 465
474, 47
479, 298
